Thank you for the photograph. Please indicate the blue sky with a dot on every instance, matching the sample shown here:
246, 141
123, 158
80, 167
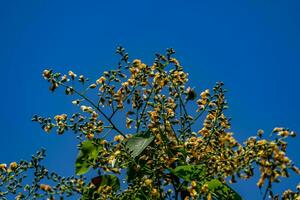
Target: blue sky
252, 46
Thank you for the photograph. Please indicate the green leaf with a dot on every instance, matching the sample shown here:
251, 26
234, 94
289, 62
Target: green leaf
222, 191
189, 172
88, 152
137, 144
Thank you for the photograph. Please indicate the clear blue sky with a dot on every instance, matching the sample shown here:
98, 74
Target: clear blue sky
252, 46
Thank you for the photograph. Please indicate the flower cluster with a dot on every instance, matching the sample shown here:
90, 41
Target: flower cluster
144, 122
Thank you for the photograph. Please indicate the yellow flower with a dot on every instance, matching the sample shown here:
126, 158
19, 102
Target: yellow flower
204, 188
115, 170
154, 192
136, 62
81, 78
86, 108
125, 84
90, 136
46, 74
72, 74
286, 160
261, 142
142, 66
64, 78
283, 133
261, 180
204, 94
92, 86
153, 67
120, 105
193, 183
128, 122
61, 117
170, 112
99, 129
134, 71
175, 61
209, 196
131, 81
117, 152
148, 182
3, 166
112, 159
101, 80
13, 166
103, 142
94, 115
193, 193
46, 188
153, 115
118, 138
277, 129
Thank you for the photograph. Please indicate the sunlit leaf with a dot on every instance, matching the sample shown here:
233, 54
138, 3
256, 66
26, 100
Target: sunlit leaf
88, 152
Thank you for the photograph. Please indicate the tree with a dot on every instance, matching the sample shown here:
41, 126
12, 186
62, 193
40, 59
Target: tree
160, 154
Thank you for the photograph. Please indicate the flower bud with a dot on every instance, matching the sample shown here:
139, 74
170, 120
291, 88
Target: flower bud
3, 166
118, 138
13, 166
46, 188
92, 86
46, 74
90, 136
72, 75
101, 80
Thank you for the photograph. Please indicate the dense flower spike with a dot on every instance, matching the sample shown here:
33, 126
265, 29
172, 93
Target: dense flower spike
145, 123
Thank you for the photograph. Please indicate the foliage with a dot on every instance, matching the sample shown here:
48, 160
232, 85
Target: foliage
161, 154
